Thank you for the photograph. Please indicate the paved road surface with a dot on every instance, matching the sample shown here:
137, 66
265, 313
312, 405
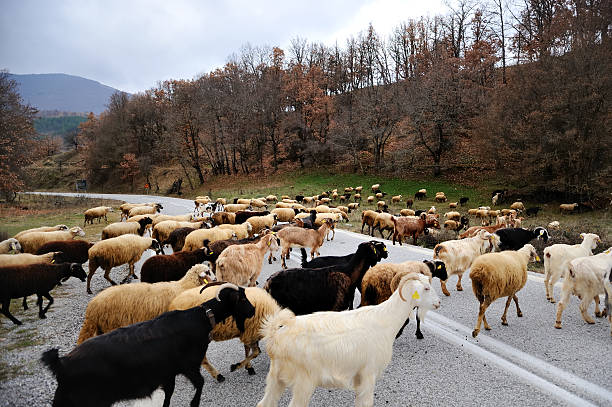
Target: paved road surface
526, 363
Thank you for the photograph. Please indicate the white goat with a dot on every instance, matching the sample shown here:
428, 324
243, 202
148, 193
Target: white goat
585, 279
348, 349
557, 256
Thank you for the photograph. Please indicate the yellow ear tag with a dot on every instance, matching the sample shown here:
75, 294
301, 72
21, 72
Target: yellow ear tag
212, 253
608, 251
205, 281
385, 249
373, 248
439, 267
416, 295
269, 242
537, 258
52, 261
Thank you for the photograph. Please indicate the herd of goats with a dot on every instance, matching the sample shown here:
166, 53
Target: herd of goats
206, 289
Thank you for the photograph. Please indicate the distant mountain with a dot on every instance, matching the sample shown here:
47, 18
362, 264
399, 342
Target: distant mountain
67, 93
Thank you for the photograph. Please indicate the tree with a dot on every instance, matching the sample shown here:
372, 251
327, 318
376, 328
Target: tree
17, 141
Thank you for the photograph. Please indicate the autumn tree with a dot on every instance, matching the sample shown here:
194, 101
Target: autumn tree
17, 142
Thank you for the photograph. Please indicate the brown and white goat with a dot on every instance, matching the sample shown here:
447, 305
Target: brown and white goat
298, 237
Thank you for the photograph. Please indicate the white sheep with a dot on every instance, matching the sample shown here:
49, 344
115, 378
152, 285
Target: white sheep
188, 217
608, 287
265, 306
242, 231
131, 303
259, 223
41, 229
98, 212
144, 210
584, 278
497, 275
348, 349
569, 208
241, 264
32, 241
162, 230
458, 255
195, 239
126, 228
116, 251
10, 245
557, 255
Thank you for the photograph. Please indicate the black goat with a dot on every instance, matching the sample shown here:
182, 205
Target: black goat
132, 362
409, 203
418, 212
309, 222
172, 267
533, 211
329, 288
463, 200
299, 198
515, 238
39, 279
420, 195
242, 216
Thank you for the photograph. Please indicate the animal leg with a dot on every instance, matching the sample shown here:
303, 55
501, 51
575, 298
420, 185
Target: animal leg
211, 369
565, 295
483, 307
598, 313
503, 318
168, 388
107, 277
389, 236
301, 393
486, 324
25, 303
444, 289
283, 255
364, 391
6, 303
90, 274
197, 380
459, 287
274, 388
41, 311
519, 313
551, 286
418, 332
254, 351
584, 306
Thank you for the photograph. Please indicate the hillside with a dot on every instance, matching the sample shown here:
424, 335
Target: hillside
63, 92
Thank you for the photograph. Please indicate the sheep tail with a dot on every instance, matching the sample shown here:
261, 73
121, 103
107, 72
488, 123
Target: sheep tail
304, 257
88, 330
277, 321
51, 359
477, 285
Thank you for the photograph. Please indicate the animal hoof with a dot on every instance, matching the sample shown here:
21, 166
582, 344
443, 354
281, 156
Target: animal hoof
519, 314
552, 301
234, 366
447, 294
419, 335
590, 322
459, 288
89, 292
251, 371
220, 378
599, 314
504, 323
475, 333
558, 325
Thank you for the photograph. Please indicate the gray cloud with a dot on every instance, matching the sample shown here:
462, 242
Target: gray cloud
131, 45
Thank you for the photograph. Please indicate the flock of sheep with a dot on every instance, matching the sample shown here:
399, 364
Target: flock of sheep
206, 290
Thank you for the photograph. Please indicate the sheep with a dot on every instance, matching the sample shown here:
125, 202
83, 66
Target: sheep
453, 205
126, 207
241, 264
453, 215
98, 212
116, 251
496, 275
370, 199
194, 240
383, 221
471, 232
506, 212
463, 200
22, 259
40, 278
396, 199
223, 218
242, 231
265, 307
298, 237
557, 255
554, 225
518, 206
271, 198
432, 210
367, 218
73, 251
344, 209
380, 281
440, 197
326, 285
173, 266
127, 304
515, 238
420, 194
306, 221
381, 204
412, 226
458, 255
285, 214
357, 197
126, 228
375, 187
221, 201
242, 201
345, 338
533, 210
162, 231
608, 288
259, 223
41, 229
177, 238
457, 226
145, 210
495, 199
134, 361
30, 242
243, 216
472, 212
353, 206
379, 195
188, 217
285, 197
567, 208
236, 207
406, 212
409, 203
483, 215
10, 245
585, 278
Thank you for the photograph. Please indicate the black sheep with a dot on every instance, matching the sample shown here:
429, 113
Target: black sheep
177, 237
533, 211
242, 216
463, 200
39, 279
409, 203
420, 195
299, 198
172, 267
329, 288
132, 362
515, 238
74, 251
309, 222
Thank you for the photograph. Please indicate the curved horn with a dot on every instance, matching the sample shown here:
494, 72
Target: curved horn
226, 285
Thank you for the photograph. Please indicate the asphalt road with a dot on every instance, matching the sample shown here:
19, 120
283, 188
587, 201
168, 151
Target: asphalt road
527, 363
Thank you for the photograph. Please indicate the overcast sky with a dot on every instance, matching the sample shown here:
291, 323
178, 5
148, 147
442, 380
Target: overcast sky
131, 45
